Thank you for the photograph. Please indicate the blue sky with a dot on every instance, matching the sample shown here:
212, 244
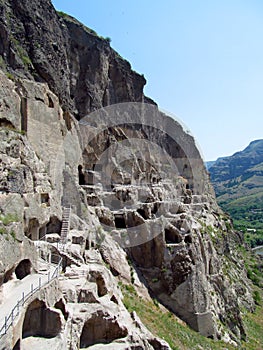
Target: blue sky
203, 61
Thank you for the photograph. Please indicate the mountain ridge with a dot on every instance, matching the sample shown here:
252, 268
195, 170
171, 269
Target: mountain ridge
54, 74
238, 183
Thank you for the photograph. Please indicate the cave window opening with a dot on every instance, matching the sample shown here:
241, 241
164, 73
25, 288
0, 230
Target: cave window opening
61, 306
101, 287
171, 236
67, 120
119, 221
23, 269
142, 213
6, 123
188, 239
81, 176
32, 231
40, 321
89, 244
45, 199
155, 208
100, 329
54, 225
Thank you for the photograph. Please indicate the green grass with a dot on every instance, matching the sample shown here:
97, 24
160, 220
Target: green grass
179, 336
10, 76
62, 14
74, 20
8, 219
254, 325
165, 325
3, 231
247, 213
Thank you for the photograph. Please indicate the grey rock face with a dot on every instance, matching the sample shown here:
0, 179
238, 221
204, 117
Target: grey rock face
49, 160
78, 66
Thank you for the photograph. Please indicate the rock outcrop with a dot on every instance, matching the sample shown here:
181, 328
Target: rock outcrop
143, 210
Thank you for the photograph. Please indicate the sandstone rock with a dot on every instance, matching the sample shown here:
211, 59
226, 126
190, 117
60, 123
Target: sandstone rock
167, 223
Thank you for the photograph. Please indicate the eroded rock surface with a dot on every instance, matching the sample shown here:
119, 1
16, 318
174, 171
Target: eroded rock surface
55, 71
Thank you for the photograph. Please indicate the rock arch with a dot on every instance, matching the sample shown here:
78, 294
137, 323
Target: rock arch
41, 321
101, 329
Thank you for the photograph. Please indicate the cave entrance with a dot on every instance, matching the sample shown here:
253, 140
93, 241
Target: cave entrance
32, 231
171, 236
81, 175
54, 225
101, 329
23, 269
44, 197
119, 221
41, 321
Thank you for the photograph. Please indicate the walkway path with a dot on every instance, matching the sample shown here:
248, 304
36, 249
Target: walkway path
22, 290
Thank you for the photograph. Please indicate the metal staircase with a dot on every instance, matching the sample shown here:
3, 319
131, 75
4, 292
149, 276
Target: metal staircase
65, 224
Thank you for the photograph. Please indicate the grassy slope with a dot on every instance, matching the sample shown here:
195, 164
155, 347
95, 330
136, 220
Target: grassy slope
247, 213
179, 336
238, 182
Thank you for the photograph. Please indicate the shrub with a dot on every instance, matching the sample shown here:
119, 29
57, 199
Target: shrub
256, 297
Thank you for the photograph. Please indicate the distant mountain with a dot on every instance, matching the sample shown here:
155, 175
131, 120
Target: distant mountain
209, 164
238, 183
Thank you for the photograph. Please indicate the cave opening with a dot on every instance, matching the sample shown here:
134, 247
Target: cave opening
81, 176
101, 329
61, 306
32, 231
171, 236
188, 239
143, 214
54, 225
23, 269
119, 221
101, 287
40, 321
44, 197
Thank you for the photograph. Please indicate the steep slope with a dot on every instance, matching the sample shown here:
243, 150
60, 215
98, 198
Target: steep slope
238, 182
142, 209
79, 67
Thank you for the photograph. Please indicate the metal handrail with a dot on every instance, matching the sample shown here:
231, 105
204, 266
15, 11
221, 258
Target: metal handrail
9, 320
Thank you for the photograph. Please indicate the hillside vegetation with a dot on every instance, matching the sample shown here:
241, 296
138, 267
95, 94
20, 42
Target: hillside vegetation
238, 182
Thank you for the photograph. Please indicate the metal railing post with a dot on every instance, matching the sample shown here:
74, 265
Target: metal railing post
15, 311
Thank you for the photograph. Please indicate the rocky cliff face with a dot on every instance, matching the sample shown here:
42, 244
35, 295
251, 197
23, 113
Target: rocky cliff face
137, 188
238, 182
78, 66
